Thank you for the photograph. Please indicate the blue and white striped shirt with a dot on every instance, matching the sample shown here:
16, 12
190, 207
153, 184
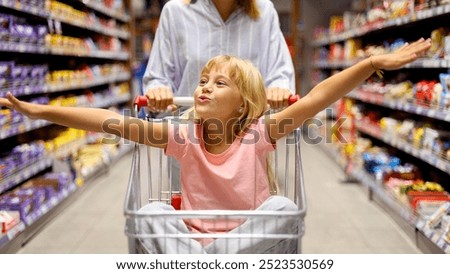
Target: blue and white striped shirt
189, 35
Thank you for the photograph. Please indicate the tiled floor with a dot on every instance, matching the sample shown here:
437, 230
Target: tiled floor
340, 218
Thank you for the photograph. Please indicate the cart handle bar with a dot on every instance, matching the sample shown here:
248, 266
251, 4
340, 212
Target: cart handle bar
142, 101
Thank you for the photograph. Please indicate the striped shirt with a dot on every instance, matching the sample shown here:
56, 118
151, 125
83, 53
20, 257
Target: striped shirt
189, 35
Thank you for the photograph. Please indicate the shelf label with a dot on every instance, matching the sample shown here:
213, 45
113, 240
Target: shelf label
436, 237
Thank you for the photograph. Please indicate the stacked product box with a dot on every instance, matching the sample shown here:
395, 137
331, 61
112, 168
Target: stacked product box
34, 197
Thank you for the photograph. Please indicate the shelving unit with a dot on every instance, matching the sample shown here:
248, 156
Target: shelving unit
423, 22
85, 53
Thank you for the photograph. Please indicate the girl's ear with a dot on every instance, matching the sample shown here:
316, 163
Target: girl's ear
241, 110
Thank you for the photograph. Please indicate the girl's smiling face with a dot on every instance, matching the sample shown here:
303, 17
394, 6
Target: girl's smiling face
217, 95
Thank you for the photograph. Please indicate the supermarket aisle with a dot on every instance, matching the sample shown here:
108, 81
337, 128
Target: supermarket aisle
340, 218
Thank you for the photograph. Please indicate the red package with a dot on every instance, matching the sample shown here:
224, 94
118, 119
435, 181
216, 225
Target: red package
176, 201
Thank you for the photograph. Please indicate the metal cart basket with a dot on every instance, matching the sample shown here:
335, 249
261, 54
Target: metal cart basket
272, 230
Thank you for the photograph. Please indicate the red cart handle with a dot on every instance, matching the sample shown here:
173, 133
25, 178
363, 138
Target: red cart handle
140, 101
293, 98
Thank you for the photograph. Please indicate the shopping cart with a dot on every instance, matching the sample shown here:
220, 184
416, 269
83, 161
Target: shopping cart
272, 230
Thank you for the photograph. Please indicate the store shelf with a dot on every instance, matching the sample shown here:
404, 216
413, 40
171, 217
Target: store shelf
29, 125
40, 49
387, 199
40, 88
405, 146
26, 126
107, 11
88, 84
432, 238
14, 240
23, 47
31, 88
400, 21
39, 12
28, 9
378, 99
420, 63
100, 54
427, 241
7, 238
25, 173
96, 27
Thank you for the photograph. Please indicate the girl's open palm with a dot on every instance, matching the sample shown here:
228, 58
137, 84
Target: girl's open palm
404, 55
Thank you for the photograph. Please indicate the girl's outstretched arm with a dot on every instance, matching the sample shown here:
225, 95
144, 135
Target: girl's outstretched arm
336, 86
93, 119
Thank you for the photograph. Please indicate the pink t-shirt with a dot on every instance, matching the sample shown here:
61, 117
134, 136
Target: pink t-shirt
233, 180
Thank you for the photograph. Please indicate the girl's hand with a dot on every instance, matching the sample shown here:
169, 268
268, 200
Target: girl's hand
404, 55
12, 102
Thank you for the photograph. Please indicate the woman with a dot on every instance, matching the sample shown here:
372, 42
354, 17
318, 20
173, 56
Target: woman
192, 32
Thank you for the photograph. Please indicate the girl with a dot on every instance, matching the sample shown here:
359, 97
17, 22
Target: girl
225, 150
191, 32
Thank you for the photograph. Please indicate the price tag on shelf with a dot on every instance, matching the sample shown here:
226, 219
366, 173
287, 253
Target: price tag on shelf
442, 165
428, 232
447, 117
420, 224
44, 209
428, 63
441, 243
436, 236
431, 113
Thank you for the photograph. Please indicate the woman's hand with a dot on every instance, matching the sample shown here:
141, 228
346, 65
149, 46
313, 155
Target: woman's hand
278, 97
159, 98
404, 55
28, 109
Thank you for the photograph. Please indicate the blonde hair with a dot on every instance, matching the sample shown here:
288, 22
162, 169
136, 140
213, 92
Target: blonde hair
250, 83
249, 7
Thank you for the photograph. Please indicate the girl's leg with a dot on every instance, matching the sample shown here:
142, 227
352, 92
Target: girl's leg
262, 225
166, 225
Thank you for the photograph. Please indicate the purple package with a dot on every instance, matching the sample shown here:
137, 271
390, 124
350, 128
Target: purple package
39, 71
22, 32
4, 26
40, 100
4, 117
49, 192
28, 152
26, 69
63, 179
36, 194
13, 202
7, 166
40, 31
16, 71
4, 85
16, 117
5, 68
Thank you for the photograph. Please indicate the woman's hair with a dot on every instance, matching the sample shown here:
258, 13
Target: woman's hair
249, 6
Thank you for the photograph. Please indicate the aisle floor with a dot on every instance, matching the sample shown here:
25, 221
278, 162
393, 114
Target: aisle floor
340, 217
